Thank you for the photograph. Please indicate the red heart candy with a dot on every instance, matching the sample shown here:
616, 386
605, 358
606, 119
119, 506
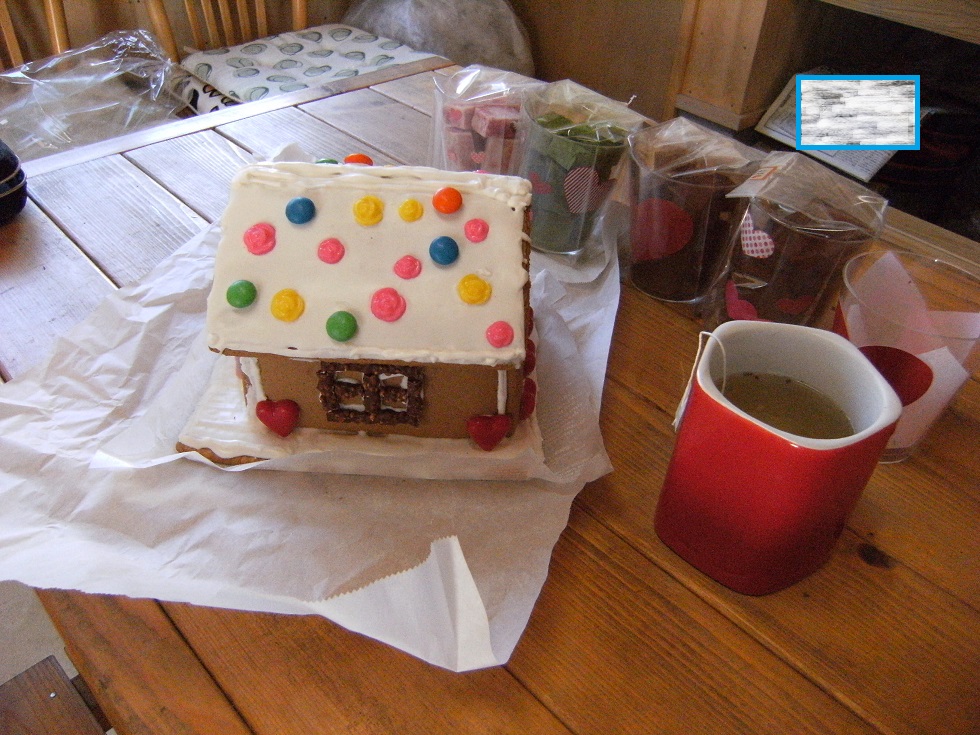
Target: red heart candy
488, 431
530, 357
529, 398
279, 416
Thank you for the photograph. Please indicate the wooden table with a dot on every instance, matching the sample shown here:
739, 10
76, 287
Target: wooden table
625, 637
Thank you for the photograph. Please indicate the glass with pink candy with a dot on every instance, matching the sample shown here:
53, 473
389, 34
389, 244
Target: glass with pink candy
917, 319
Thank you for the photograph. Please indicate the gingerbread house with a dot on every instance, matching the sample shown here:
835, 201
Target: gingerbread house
378, 299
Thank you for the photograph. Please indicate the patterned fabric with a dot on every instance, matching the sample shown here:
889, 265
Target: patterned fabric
285, 63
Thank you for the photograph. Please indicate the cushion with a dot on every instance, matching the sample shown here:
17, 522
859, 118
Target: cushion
285, 63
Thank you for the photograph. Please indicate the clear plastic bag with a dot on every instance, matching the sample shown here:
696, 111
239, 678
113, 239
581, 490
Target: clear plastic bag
117, 84
477, 110
803, 222
682, 219
468, 32
571, 141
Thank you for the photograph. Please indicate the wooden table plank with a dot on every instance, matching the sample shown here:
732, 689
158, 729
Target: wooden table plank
197, 168
867, 628
353, 683
398, 130
48, 286
615, 645
113, 211
265, 134
417, 92
142, 673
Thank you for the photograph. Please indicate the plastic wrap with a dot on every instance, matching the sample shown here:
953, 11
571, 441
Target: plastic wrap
571, 140
683, 221
802, 224
117, 84
466, 31
476, 116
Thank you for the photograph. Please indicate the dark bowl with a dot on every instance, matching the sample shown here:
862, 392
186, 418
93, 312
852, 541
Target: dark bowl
13, 195
8, 161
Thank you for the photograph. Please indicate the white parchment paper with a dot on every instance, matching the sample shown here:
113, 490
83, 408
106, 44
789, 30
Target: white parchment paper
447, 570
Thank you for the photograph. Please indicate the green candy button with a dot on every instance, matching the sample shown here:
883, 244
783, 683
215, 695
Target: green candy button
241, 294
341, 326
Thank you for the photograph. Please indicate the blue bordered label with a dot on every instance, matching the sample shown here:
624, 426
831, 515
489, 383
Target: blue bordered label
857, 112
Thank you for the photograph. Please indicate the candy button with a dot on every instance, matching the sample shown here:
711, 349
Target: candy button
408, 267
368, 210
341, 326
260, 239
500, 334
241, 294
447, 200
331, 251
387, 304
287, 305
326, 160
476, 230
444, 250
359, 158
411, 210
473, 290
300, 210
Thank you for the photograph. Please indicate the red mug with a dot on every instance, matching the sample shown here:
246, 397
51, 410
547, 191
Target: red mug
754, 507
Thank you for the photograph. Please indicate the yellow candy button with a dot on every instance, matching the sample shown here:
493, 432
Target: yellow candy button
368, 210
473, 290
410, 210
287, 305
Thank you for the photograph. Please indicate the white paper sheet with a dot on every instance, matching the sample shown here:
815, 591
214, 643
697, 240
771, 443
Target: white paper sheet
446, 570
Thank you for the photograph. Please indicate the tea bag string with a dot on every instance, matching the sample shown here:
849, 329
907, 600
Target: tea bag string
702, 341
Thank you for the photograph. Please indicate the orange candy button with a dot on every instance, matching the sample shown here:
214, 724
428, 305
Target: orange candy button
447, 200
359, 158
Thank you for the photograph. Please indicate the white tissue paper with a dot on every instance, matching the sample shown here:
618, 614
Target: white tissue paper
447, 570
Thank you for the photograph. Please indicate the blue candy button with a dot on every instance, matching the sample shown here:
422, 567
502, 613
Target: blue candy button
444, 250
300, 210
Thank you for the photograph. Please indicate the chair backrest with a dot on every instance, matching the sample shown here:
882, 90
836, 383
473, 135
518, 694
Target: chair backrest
54, 14
216, 23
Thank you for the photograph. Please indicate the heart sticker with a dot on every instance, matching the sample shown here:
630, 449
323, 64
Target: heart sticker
279, 416
660, 228
488, 431
583, 192
739, 308
907, 374
538, 185
755, 243
795, 307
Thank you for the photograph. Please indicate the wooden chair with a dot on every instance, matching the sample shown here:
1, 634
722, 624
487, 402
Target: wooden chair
54, 13
43, 701
216, 23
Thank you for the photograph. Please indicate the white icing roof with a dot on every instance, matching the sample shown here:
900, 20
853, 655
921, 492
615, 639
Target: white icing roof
438, 323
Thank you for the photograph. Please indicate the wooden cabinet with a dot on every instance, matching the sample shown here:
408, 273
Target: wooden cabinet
740, 53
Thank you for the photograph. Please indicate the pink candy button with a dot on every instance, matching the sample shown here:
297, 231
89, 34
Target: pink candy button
260, 239
408, 267
500, 334
476, 230
387, 305
331, 251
